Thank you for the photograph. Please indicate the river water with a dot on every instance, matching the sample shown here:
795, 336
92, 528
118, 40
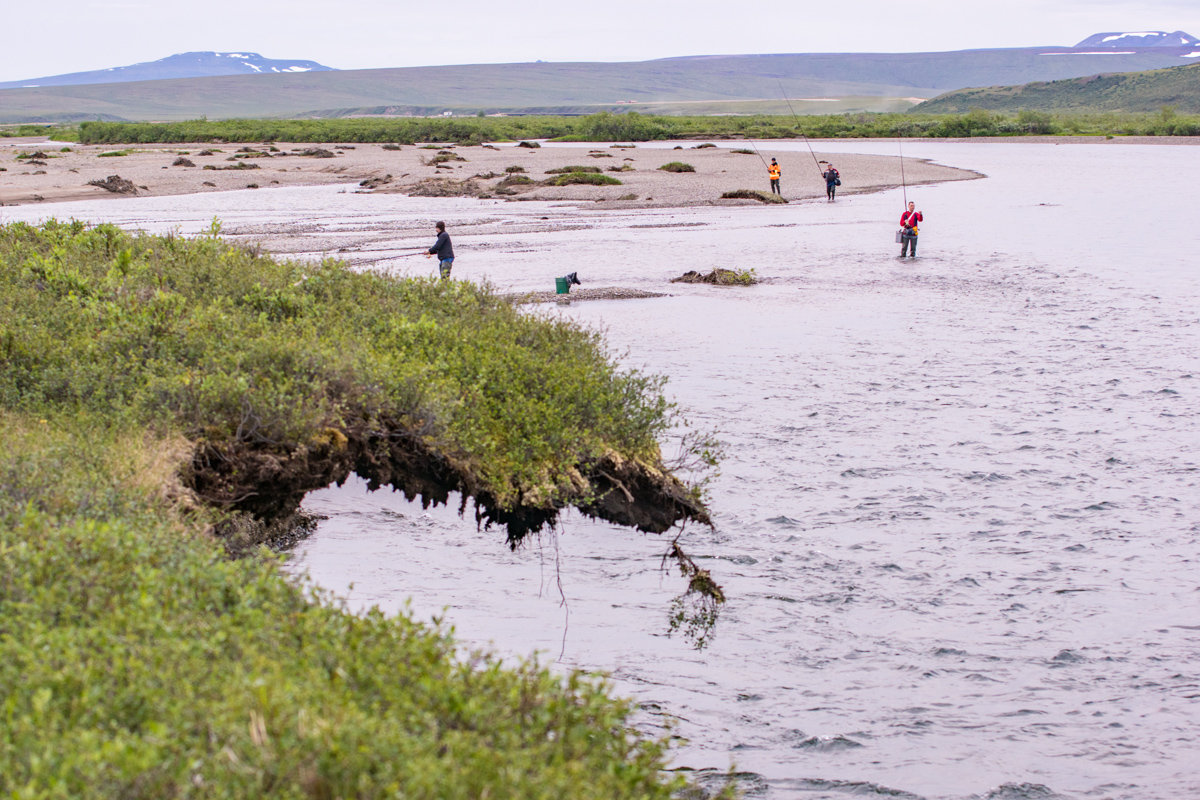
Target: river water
958, 520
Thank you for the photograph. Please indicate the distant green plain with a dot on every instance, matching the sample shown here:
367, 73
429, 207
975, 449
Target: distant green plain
633, 127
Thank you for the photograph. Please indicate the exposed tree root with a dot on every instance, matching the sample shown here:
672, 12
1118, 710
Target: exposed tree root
268, 481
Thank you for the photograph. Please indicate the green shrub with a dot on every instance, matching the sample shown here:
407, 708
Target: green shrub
677, 166
573, 168
442, 158
138, 662
583, 178
98, 318
740, 277
753, 194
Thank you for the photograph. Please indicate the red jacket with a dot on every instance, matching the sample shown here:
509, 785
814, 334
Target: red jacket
909, 219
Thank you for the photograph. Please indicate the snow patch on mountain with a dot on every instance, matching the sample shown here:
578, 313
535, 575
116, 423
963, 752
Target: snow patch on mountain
198, 64
1126, 39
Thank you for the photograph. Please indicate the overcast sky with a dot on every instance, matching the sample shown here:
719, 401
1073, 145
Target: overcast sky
76, 35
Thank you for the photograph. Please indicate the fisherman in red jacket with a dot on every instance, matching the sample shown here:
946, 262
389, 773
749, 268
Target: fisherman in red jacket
908, 230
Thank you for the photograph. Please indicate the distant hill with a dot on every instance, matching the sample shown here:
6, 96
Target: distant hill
811, 82
1178, 87
181, 65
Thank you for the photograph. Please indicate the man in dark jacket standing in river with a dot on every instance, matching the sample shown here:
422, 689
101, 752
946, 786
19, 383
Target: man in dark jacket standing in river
443, 250
832, 181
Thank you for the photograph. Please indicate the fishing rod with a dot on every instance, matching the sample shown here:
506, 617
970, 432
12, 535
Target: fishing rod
797, 118
903, 182
760, 155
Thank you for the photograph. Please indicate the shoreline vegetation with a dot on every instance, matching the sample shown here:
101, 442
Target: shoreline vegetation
166, 402
630, 126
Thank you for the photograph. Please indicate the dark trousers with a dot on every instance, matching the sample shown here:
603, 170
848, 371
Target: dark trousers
830, 190
907, 240
775, 185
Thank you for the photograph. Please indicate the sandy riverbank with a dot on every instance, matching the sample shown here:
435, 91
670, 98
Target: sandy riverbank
39, 171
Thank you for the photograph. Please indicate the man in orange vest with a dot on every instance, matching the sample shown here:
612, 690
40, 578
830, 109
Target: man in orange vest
773, 171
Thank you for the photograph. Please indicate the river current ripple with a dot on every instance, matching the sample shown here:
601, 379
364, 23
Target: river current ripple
958, 518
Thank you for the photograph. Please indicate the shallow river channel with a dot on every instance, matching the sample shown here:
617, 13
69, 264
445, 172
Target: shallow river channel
958, 521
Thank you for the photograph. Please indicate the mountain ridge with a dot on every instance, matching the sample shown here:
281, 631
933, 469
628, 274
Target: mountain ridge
193, 64
1174, 88
747, 83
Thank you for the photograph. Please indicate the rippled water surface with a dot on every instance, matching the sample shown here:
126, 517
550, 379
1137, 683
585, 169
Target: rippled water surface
958, 521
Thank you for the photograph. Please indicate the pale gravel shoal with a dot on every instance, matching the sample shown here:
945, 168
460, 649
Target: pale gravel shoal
67, 171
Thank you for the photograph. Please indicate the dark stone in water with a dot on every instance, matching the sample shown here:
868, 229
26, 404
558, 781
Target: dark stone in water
827, 744
1022, 791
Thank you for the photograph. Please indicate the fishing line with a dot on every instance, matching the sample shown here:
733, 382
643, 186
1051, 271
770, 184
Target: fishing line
903, 183
802, 136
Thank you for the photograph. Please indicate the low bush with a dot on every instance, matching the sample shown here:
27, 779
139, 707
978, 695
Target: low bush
677, 166
443, 158
753, 194
572, 168
137, 661
237, 166
591, 178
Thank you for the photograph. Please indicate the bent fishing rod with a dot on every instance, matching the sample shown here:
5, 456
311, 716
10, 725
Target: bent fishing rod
796, 117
